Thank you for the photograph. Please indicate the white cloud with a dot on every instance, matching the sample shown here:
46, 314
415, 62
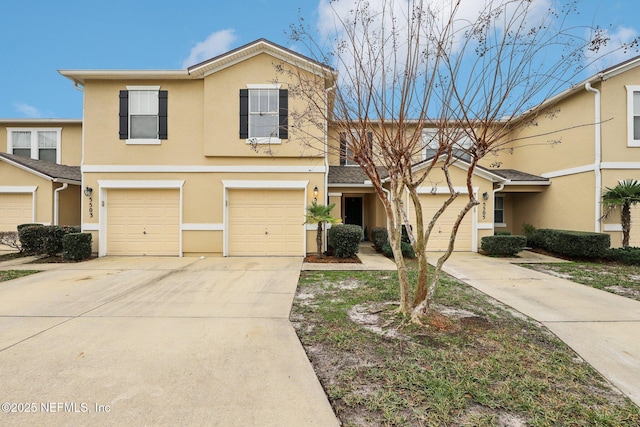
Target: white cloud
30, 111
611, 53
216, 43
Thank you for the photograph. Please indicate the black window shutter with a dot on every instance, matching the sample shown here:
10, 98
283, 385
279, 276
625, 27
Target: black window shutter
124, 114
162, 114
244, 113
343, 148
284, 114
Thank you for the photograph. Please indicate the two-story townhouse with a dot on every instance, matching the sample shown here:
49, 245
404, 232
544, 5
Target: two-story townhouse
40, 179
202, 160
586, 139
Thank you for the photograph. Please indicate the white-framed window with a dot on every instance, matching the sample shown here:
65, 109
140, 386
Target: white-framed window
431, 143
263, 113
633, 115
498, 211
348, 142
35, 143
143, 115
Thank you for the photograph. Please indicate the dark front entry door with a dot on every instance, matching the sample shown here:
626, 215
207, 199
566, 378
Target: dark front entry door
353, 210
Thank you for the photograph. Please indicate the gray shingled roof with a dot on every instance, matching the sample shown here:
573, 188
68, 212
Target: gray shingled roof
350, 175
54, 171
515, 175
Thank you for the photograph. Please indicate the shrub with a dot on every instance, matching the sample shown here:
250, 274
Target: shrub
629, 256
574, 244
502, 233
76, 246
532, 235
380, 237
52, 238
31, 237
10, 239
407, 250
345, 239
503, 245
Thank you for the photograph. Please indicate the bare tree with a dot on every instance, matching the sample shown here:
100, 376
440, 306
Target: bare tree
407, 66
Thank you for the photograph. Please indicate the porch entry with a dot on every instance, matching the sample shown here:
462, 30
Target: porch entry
353, 211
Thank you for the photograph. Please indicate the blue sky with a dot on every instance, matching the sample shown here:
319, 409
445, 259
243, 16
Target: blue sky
38, 37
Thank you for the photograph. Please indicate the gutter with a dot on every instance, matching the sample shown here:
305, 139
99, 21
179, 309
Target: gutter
326, 154
56, 203
597, 165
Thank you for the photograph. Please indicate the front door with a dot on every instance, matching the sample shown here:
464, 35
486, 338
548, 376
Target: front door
353, 210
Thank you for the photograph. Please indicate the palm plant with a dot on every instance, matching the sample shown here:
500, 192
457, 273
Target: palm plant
319, 214
625, 195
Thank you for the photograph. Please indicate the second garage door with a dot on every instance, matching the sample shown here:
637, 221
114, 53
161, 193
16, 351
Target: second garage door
15, 209
439, 239
266, 222
143, 222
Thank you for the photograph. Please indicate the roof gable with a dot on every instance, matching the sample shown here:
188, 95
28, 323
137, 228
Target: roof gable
252, 49
51, 171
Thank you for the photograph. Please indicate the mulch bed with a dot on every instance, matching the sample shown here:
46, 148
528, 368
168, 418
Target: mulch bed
330, 259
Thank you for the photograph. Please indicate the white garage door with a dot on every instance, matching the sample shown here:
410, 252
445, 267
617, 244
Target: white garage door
439, 239
143, 222
634, 236
15, 209
266, 222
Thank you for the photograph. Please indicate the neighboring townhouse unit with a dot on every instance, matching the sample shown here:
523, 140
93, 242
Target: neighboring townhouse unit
200, 161
586, 139
40, 176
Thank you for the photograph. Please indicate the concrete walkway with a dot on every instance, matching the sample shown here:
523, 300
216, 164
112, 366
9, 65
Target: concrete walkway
157, 341
603, 328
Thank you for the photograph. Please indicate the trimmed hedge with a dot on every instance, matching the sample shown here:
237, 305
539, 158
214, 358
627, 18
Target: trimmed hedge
380, 237
52, 244
574, 244
502, 233
407, 250
31, 237
629, 256
76, 246
503, 244
345, 239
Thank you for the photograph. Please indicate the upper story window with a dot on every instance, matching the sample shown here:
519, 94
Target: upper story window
633, 116
264, 114
349, 144
143, 114
35, 143
431, 143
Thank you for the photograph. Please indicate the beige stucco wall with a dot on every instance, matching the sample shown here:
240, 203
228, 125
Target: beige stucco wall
70, 137
70, 200
13, 176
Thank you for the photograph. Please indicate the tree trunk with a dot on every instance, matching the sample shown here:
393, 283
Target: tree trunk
319, 239
625, 219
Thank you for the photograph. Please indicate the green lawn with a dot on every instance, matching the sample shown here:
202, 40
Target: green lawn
14, 274
475, 363
616, 278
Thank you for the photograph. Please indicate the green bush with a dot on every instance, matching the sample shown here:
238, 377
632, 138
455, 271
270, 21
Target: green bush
502, 233
52, 238
407, 250
31, 237
503, 245
530, 233
574, 244
629, 256
345, 239
76, 246
380, 237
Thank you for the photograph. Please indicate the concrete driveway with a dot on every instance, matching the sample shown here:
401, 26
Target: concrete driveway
157, 341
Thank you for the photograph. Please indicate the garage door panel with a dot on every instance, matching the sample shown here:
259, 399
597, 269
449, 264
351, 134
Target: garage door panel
439, 238
16, 209
266, 222
634, 237
143, 222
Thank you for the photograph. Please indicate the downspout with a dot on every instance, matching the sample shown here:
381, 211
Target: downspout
598, 154
493, 200
326, 153
56, 203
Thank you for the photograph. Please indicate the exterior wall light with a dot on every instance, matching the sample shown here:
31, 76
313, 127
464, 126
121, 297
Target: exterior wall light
485, 196
88, 191
315, 194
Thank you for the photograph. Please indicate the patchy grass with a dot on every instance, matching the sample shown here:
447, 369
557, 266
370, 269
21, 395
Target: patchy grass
14, 274
616, 278
475, 363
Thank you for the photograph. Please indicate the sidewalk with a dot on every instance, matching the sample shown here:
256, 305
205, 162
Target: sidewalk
603, 328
